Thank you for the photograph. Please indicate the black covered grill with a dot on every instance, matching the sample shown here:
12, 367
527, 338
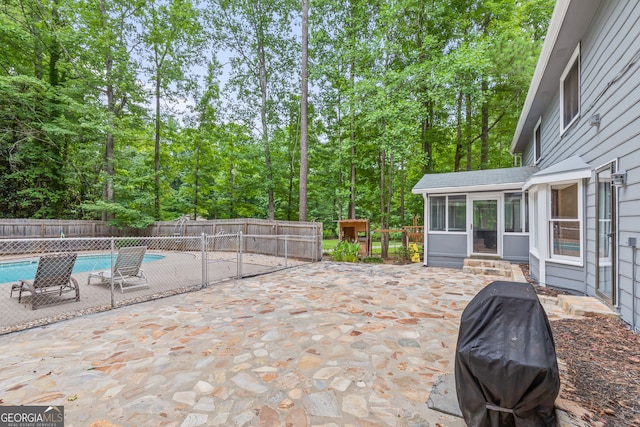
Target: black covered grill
506, 368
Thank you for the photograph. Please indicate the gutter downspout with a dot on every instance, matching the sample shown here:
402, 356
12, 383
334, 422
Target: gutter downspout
426, 227
632, 243
583, 244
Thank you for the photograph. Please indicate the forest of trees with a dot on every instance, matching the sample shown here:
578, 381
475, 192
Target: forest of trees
132, 111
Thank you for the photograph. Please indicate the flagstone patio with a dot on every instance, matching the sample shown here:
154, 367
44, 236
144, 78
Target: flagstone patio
325, 344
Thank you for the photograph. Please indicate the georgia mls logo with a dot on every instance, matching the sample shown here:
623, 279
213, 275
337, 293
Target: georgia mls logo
31, 416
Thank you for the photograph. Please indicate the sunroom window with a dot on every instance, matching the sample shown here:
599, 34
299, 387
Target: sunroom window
447, 213
565, 221
457, 213
437, 212
515, 212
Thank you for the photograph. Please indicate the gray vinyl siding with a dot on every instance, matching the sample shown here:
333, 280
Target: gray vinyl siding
590, 236
446, 250
534, 268
527, 156
599, 65
611, 42
568, 277
629, 226
515, 248
624, 276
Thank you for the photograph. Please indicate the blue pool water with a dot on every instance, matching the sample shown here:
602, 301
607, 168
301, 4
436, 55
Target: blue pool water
26, 270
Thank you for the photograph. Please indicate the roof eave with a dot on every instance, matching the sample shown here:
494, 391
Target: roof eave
470, 188
570, 21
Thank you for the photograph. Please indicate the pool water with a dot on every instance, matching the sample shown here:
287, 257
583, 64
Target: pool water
26, 269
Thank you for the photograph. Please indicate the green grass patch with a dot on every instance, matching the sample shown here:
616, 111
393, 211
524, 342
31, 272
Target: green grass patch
329, 244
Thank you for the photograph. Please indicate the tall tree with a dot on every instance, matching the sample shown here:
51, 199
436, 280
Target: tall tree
172, 44
258, 36
102, 62
304, 112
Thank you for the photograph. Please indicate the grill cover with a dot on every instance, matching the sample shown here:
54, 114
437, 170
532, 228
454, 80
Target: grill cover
505, 366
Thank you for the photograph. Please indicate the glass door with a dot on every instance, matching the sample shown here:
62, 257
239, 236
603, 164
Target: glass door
484, 237
606, 243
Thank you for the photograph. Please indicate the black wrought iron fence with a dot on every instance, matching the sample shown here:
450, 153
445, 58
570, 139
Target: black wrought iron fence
46, 280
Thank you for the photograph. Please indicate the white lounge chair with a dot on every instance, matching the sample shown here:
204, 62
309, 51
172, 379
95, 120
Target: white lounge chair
53, 276
126, 271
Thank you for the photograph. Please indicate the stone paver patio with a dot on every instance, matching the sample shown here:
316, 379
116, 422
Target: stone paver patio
325, 344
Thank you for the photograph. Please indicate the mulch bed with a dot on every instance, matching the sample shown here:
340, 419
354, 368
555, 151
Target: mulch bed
601, 356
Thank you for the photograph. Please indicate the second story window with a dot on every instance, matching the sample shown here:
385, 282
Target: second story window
570, 91
537, 142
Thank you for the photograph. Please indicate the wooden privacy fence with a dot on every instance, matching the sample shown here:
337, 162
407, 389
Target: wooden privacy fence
48, 228
266, 235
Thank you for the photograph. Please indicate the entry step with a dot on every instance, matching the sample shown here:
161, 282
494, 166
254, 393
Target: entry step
490, 267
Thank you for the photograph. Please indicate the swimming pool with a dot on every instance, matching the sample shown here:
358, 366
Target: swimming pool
13, 271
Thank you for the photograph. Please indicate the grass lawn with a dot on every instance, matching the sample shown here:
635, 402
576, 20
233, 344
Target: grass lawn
329, 244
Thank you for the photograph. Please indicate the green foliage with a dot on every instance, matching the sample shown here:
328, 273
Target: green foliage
128, 242
346, 251
404, 88
403, 254
124, 217
373, 260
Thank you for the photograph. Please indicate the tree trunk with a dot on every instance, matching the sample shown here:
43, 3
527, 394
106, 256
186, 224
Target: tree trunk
231, 186
468, 128
352, 140
265, 127
304, 119
341, 179
459, 133
197, 175
403, 180
107, 190
484, 135
384, 237
351, 37
427, 146
389, 191
157, 150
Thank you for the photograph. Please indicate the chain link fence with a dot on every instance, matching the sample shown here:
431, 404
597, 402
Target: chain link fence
47, 280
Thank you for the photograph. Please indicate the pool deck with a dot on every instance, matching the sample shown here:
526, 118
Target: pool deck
324, 344
175, 272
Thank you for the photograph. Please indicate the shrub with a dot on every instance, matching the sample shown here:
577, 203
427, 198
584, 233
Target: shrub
403, 253
373, 260
346, 251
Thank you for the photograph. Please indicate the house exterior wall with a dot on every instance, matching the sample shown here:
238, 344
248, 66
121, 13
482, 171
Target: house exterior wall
515, 248
609, 86
567, 277
446, 250
534, 267
449, 249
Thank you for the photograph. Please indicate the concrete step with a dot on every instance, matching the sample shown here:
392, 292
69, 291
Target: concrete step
585, 306
492, 267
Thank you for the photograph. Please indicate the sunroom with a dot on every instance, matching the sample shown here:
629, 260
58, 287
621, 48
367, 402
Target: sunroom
475, 214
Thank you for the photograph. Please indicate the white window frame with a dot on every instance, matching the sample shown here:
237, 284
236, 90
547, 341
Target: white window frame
534, 215
575, 57
524, 206
565, 259
428, 204
537, 142
446, 214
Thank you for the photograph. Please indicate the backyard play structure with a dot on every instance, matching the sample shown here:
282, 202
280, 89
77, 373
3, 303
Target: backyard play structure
357, 230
